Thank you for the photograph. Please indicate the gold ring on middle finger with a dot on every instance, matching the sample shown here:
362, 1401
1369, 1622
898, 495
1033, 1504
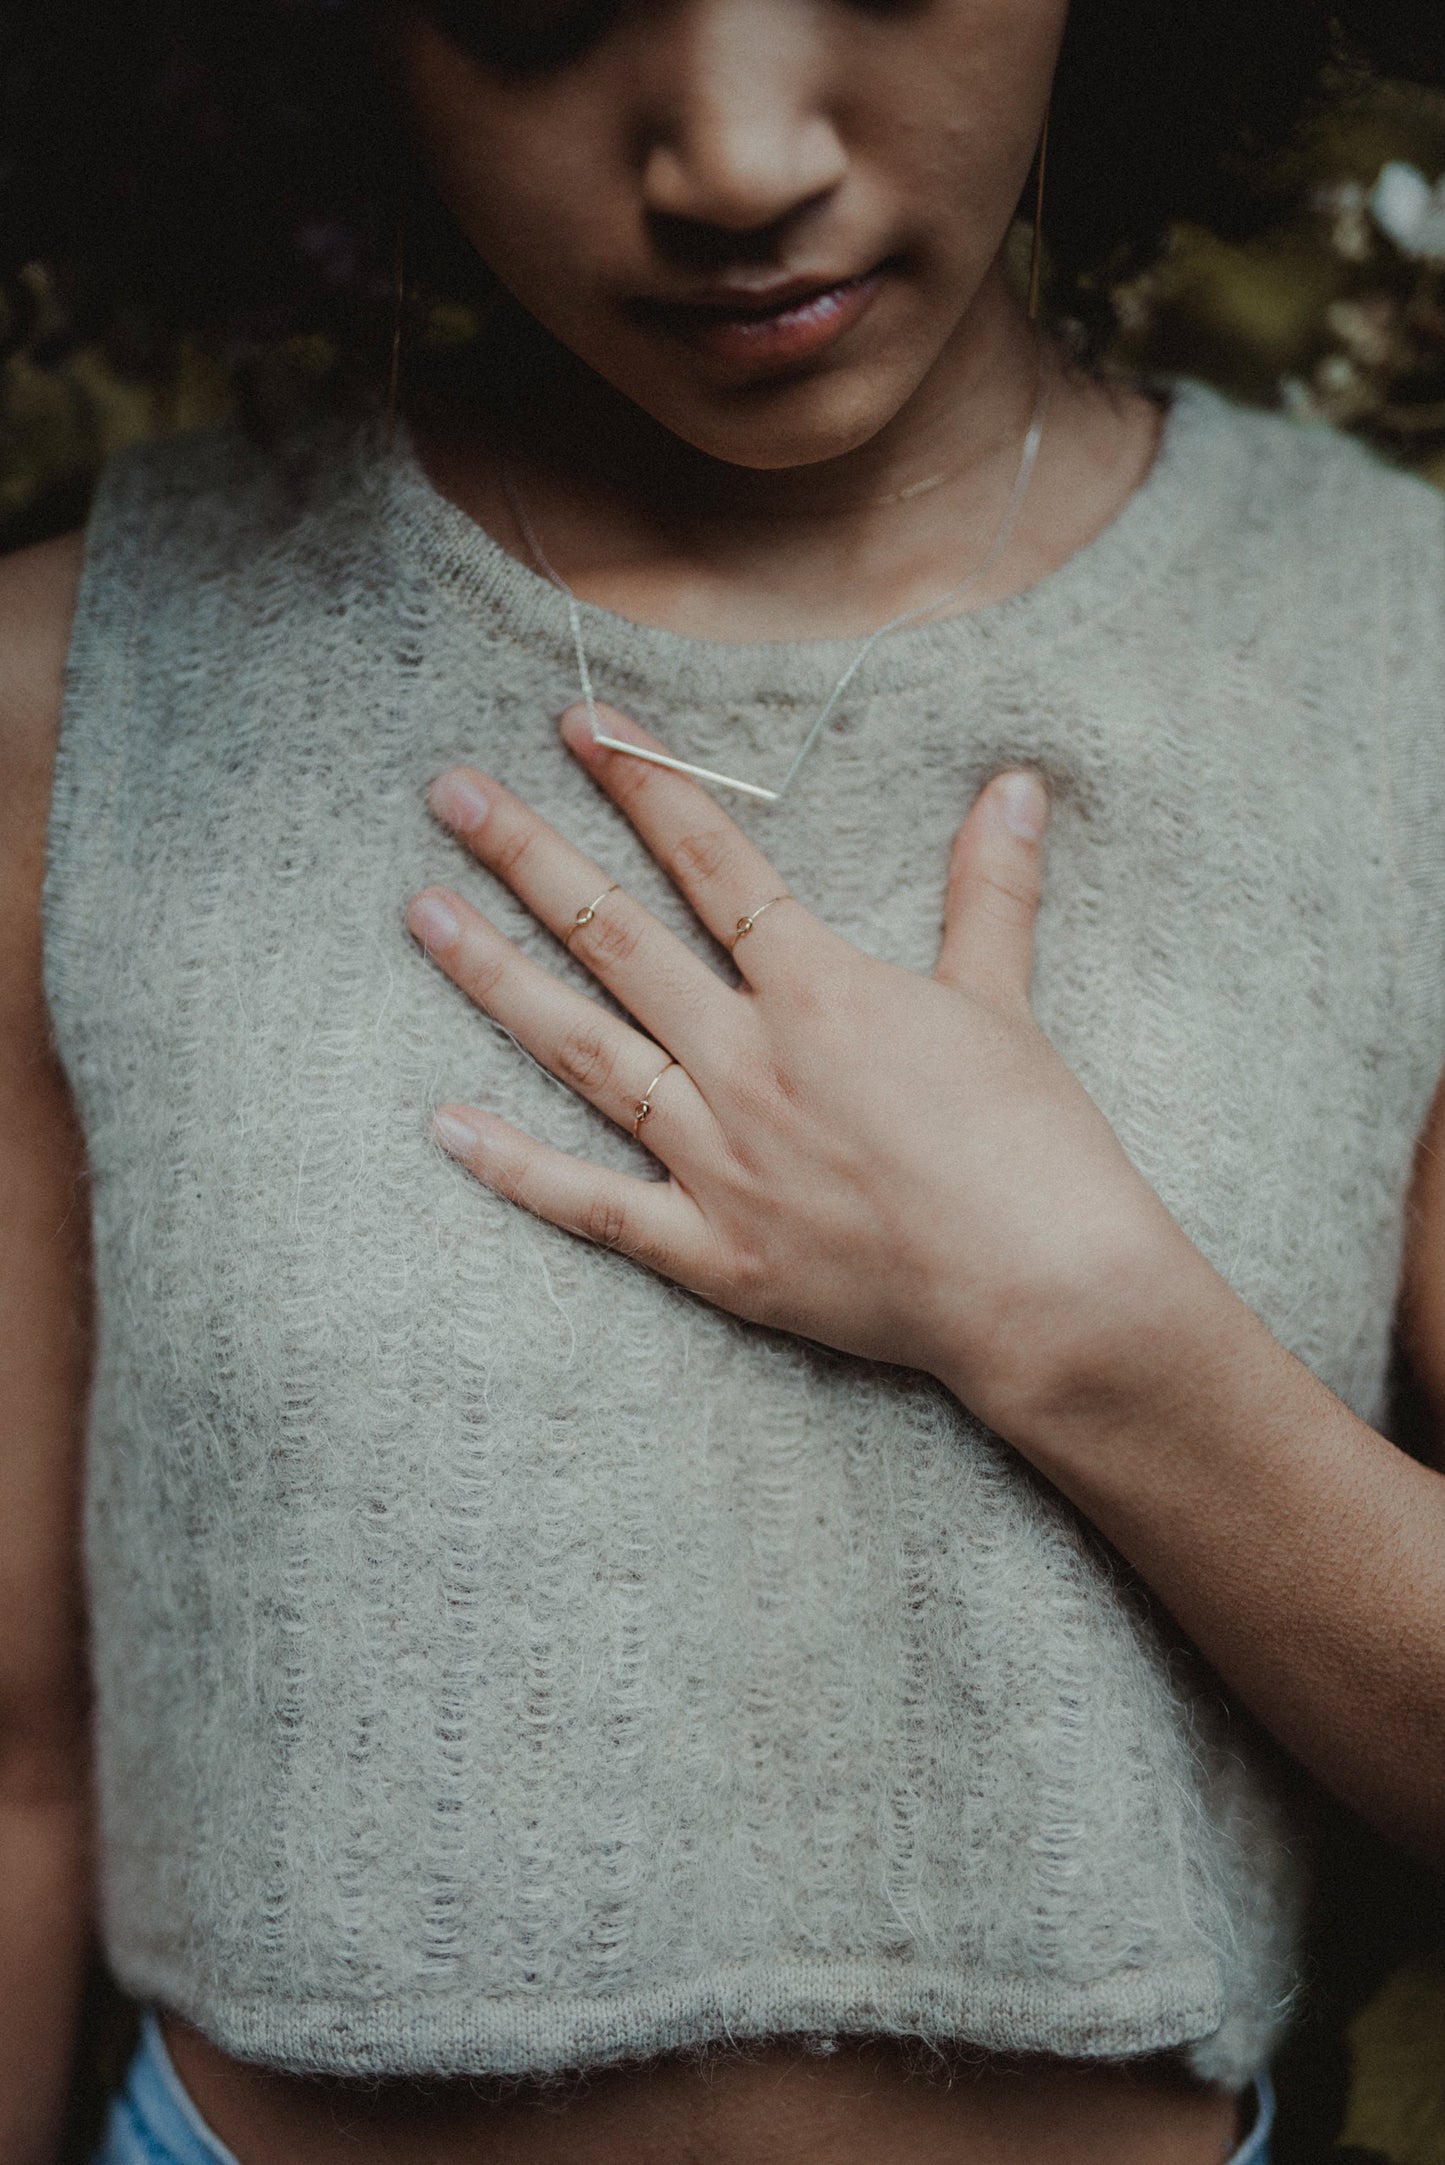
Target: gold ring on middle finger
643, 1107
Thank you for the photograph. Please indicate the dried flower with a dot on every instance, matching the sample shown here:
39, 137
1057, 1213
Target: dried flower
1368, 328
1344, 204
1405, 206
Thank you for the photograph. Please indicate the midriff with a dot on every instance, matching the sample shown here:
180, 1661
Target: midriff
867, 2102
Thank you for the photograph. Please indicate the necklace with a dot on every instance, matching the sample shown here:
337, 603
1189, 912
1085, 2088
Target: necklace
1000, 542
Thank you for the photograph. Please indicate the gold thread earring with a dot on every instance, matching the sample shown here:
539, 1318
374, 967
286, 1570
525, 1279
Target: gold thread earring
1036, 252
398, 318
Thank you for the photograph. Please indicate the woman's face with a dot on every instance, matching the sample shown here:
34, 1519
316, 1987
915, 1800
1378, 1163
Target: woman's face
766, 222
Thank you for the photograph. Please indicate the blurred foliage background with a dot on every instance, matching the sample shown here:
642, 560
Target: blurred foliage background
1336, 314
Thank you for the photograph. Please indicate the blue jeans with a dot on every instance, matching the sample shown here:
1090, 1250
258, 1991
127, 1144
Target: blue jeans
153, 2122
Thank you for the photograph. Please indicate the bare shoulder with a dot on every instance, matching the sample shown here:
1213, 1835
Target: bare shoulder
44, 1259
38, 588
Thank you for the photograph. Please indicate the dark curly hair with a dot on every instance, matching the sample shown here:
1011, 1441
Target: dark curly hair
235, 170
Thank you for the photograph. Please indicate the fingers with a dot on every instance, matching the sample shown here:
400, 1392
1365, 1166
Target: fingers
994, 884
605, 1061
654, 1221
725, 877
670, 990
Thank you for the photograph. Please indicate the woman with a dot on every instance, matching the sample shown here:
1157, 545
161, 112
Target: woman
743, 1682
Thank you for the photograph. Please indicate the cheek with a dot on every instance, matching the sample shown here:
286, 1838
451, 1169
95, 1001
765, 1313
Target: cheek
956, 131
531, 201
522, 182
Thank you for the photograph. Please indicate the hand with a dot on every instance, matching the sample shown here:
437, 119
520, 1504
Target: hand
899, 1166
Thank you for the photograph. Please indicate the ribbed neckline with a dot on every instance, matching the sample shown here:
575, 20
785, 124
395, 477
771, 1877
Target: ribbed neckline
1197, 451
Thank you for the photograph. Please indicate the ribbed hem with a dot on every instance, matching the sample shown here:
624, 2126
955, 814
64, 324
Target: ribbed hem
527, 2034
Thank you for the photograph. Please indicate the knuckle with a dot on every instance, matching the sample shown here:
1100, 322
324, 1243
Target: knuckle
613, 938
1012, 894
744, 1153
812, 1002
483, 976
784, 1084
510, 848
604, 1221
629, 779
748, 1279
699, 856
584, 1061
762, 1092
509, 1173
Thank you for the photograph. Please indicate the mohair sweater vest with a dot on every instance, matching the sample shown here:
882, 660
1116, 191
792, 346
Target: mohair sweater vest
504, 1660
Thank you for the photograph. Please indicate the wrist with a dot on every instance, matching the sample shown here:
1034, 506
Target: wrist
1104, 1343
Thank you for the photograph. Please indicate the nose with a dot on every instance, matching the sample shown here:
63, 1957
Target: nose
739, 133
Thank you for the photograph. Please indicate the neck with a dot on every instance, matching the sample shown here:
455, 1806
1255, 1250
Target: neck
642, 522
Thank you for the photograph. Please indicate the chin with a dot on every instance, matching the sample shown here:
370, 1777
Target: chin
802, 421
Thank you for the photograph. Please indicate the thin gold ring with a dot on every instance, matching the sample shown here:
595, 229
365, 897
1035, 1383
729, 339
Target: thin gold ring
745, 924
643, 1106
585, 917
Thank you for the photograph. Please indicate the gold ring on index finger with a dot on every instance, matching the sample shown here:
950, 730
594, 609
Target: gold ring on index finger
585, 916
745, 924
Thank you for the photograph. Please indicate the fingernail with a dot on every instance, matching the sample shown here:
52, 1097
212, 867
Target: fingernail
456, 799
457, 1136
1025, 805
432, 921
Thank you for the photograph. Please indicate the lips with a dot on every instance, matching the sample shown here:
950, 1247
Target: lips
790, 325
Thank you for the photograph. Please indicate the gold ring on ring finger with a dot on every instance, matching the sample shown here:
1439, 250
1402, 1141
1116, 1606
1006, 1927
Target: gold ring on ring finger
745, 924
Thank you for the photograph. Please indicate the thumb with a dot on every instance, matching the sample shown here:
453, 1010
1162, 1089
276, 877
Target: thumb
994, 882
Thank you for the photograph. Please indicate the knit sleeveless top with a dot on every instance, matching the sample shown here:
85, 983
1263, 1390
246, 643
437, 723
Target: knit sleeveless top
504, 1660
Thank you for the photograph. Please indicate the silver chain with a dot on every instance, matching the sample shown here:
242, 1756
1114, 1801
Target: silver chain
995, 550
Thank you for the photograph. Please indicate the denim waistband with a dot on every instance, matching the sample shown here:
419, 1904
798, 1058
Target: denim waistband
153, 2121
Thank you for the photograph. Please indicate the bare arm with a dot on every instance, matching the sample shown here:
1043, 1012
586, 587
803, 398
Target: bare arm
44, 1360
1301, 1551
1422, 1283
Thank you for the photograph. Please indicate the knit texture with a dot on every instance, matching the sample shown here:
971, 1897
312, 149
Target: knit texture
505, 1661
